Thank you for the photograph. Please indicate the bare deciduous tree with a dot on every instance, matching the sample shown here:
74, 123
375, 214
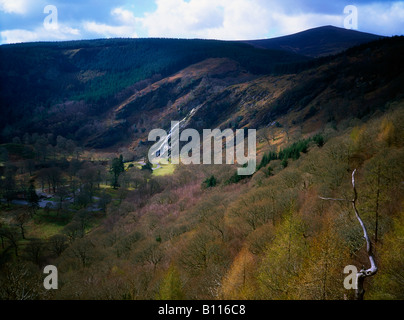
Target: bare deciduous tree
363, 273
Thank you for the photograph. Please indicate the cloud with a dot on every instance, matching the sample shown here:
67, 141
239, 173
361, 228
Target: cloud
382, 18
292, 24
109, 31
62, 32
228, 19
15, 6
126, 28
18, 35
252, 19
205, 19
21, 20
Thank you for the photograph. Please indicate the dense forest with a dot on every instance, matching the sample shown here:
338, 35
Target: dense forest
94, 72
128, 233
118, 227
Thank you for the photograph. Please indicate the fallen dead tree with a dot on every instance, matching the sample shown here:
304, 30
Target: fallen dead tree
363, 273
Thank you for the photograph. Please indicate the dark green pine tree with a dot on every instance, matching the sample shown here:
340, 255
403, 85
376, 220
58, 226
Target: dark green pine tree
117, 168
210, 182
148, 167
32, 197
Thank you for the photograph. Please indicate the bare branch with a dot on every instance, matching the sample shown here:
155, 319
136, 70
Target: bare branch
332, 199
373, 267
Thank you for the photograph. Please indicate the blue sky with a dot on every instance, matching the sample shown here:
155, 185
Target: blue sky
23, 20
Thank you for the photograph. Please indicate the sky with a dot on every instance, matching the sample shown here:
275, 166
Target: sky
58, 20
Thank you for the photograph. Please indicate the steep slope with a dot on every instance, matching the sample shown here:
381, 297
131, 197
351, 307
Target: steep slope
220, 93
169, 99
57, 87
317, 42
223, 88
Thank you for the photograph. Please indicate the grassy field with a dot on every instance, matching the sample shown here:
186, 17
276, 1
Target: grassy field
43, 230
133, 163
108, 190
45, 225
167, 169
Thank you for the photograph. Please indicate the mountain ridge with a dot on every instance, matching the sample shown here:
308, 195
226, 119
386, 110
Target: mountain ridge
308, 99
93, 73
93, 91
316, 42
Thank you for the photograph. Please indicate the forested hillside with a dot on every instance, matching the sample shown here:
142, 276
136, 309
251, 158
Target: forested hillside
93, 75
187, 236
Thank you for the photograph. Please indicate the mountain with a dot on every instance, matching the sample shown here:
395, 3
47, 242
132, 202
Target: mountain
42, 82
317, 42
104, 93
221, 93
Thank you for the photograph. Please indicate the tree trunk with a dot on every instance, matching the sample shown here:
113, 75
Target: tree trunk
373, 268
364, 273
22, 231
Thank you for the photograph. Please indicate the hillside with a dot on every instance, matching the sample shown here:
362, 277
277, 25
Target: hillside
317, 42
84, 76
91, 76
86, 96
220, 93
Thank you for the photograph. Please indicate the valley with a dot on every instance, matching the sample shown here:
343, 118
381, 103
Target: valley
78, 190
